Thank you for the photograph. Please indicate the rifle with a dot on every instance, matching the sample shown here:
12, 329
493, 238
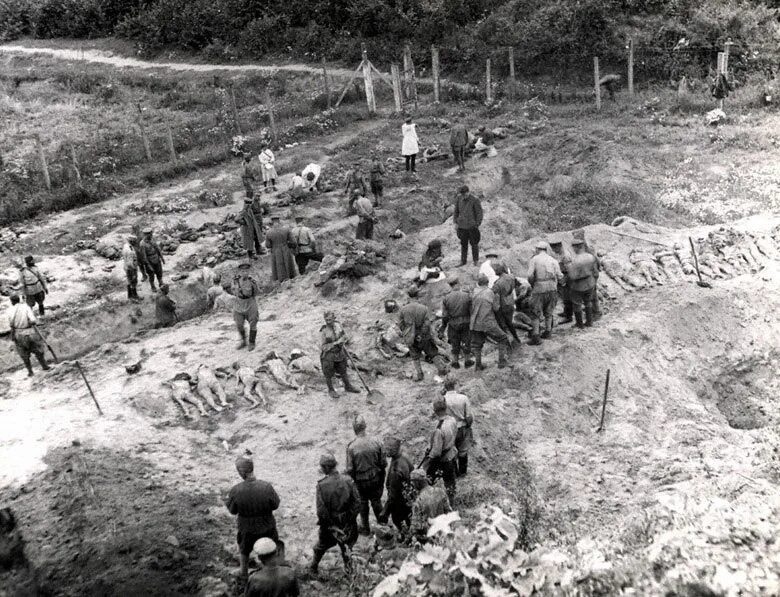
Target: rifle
51, 350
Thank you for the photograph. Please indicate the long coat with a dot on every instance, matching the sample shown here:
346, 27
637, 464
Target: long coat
282, 261
251, 232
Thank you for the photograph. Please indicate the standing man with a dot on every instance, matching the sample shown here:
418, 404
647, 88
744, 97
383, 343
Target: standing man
130, 259
484, 323
397, 505
504, 289
258, 211
366, 219
282, 260
26, 337
582, 282
377, 179
253, 501
268, 164
33, 284
459, 140
455, 318
441, 458
458, 408
251, 232
245, 290
355, 181
564, 260
332, 354
415, 325
304, 245
248, 175
580, 233
275, 578
338, 504
164, 309
544, 275
366, 465
468, 219
152, 258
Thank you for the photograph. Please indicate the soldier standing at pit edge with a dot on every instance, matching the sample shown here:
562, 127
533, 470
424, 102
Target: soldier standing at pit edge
544, 275
245, 288
366, 465
152, 258
582, 282
468, 218
332, 358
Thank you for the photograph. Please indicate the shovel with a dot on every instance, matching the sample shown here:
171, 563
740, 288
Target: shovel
373, 396
700, 282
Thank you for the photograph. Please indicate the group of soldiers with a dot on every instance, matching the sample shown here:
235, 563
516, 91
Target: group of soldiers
344, 501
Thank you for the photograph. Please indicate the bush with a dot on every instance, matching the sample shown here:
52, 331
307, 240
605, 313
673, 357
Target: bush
15, 19
262, 35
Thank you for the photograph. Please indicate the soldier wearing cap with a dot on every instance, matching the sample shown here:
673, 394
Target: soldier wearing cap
415, 325
580, 234
485, 307
25, 335
544, 275
276, 578
245, 290
564, 260
366, 218
164, 309
459, 408
582, 282
431, 501
152, 257
253, 501
504, 289
33, 284
333, 359
130, 260
355, 181
468, 218
455, 317
338, 505
251, 231
441, 458
304, 245
397, 505
366, 465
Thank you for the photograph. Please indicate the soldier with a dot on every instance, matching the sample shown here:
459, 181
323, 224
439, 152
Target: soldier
441, 457
459, 139
504, 289
33, 284
397, 505
484, 324
366, 218
258, 209
251, 233
282, 260
544, 275
376, 178
245, 288
580, 233
253, 501
564, 259
332, 357
164, 309
26, 337
366, 465
338, 504
305, 248
275, 578
582, 282
415, 325
429, 503
152, 257
130, 259
248, 175
355, 181
455, 316
458, 408
468, 218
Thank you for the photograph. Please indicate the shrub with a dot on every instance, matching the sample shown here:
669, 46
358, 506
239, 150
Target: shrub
15, 19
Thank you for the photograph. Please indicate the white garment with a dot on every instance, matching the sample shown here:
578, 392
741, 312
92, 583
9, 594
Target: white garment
267, 159
487, 269
20, 317
410, 145
297, 182
315, 169
129, 257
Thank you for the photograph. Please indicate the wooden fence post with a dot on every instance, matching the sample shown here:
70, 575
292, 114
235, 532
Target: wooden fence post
235, 108
488, 84
410, 80
435, 69
395, 74
325, 82
726, 52
44, 165
368, 84
74, 160
171, 146
511, 73
596, 79
271, 119
147, 147
630, 66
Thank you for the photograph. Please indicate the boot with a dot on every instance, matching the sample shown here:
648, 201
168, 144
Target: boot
129, 292
463, 465
469, 362
455, 363
535, 340
588, 315
252, 338
365, 527
29, 367
578, 318
242, 342
464, 253
479, 366
331, 390
349, 387
418, 369
315, 562
42, 361
502, 350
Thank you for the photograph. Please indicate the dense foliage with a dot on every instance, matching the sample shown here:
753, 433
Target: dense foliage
672, 37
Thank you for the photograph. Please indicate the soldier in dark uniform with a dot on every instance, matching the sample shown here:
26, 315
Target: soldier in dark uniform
455, 316
415, 324
251, 233
152, 257
484, 323
366, 465
564, 260
332, 357
245, 288
582, 282
338, 504
504, 289
441, 459
580, 234
397, 505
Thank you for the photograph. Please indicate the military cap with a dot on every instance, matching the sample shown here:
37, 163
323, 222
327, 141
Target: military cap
453, 280
264, 547
542, 245
29, 260
328, 460
276, 217
491, 256
577, 242
248, 199
436, 242
359, 424
556, 242
147, 231
244, 265
413, 291
132, 237
439, 405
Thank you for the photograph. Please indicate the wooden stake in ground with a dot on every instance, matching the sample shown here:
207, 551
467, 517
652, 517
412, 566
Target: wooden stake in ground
597, 82
604, 404
271, 119
346, 87
368, 83
44, 165
74, 160
435, 70
700, 282
488, 83
409, 77
91, 393
512, 80
395, 75
325, 83
147, 148
721, 60
630, 66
